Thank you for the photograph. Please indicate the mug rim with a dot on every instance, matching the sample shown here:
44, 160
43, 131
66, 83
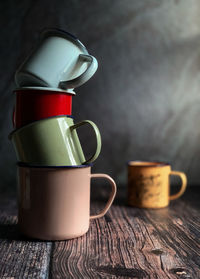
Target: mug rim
25, 165
63, 34
41, 88
146, 164
33, 122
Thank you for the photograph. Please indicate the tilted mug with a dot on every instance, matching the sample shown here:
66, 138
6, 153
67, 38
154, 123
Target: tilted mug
58, 60
54, 202
52, 141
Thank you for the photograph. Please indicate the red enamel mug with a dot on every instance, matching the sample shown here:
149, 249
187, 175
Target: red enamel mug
35, 103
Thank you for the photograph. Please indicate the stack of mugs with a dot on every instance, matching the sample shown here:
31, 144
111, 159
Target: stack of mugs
53, 173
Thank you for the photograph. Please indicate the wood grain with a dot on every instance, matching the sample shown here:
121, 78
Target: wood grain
134, 243
127, 243
20, 257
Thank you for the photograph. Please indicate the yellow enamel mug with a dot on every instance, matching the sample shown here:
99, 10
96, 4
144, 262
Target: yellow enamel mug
149, 184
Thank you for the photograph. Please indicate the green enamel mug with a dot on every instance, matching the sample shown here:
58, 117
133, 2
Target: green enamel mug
53, 142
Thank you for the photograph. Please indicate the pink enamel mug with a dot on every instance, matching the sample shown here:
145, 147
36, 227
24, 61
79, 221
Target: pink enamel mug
54, 202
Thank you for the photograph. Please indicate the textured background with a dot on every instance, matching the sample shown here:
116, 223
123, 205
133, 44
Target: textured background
145, 96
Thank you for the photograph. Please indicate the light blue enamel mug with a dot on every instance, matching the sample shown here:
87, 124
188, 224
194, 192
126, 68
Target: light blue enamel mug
59, 60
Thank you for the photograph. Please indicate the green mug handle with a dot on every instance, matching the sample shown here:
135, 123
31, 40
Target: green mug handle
98, 138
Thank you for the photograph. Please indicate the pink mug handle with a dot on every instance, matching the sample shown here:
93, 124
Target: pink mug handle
111, 197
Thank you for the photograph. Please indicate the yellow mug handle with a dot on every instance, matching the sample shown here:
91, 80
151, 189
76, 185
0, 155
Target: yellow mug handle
183, 186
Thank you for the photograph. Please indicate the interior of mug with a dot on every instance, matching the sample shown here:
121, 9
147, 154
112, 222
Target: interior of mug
147, 164
26, 165
44, 90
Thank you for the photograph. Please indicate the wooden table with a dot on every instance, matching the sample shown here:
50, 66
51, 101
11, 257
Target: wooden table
126, 243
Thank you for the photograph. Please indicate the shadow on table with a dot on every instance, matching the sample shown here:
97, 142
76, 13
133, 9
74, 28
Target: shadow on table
11, 232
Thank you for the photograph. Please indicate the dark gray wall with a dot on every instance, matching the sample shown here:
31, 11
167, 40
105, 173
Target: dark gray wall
145, 96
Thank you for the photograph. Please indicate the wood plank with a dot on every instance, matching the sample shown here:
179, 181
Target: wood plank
126, 243
134, 243
20, 257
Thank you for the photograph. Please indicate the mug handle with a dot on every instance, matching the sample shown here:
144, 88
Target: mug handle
98, 138
111, 197
183, 186
85, 76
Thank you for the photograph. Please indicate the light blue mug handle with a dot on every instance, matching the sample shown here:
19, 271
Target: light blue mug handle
85, 76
